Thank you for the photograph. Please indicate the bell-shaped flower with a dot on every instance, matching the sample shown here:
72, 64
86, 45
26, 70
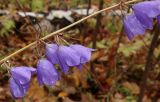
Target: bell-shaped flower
20, 79
158, 20
63, 55
84, 52
146, 11
132, 26
46, 72
149, 8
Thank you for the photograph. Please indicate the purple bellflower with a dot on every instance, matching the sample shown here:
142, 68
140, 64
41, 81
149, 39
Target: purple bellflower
149, 8
158, 19
146, 11
63, 55
46, 72
132, 26
68, 56
20, 79
84, 52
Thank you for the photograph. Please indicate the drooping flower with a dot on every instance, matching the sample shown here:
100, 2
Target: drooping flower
158, 19
149, 8
63, 55
20, 79
46, 72
84, 52
132, 26
146, 11
146, 21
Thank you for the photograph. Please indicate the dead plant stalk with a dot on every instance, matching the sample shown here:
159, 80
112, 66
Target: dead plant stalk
63, 29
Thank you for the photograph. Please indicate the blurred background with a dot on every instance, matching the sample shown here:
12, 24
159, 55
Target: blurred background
116, 67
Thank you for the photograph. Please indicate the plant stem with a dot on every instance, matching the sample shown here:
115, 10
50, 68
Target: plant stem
97, 31
98, 24
63, 29
148, 65
89, 6
23, 99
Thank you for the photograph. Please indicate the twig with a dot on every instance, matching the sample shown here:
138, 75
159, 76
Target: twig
94, 76
148, 65
63, 29
117, 75
97, 31
89, 6
98, 24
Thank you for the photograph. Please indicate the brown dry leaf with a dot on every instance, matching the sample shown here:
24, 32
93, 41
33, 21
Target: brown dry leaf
133, 87
103, 58
110, 81
158, 100
146, 99
84, 84
2, 96
63, 94
108, 1
118, 98
76, 76
99, 68
87, 97
34, 89
70, 90
83, 78
111, 57
97, 55
67, 100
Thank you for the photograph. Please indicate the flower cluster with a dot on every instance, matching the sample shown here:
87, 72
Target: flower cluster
76, 55
142, 18
64, 56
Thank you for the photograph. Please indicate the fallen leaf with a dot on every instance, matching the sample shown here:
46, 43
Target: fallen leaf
133, 87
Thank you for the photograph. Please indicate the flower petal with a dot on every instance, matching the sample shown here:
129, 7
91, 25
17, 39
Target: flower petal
128, 31
51, 53
146, 21
79, 66
84, 52
132, 26
68, 56
149, 8
47, 74
146, 11
23, 74
16, 88
158, 19
64, 66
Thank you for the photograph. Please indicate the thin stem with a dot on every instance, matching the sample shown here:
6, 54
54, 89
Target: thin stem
94, 76
63, 29
98, 25
89, 6
97, 30
23, 99
148, 65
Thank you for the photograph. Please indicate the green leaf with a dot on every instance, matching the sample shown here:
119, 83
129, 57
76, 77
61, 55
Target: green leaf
7, 27
37, 5
124, 91
127, 49
8, 24
99, 44
130, 48
130, 99
23, 1
111, 27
